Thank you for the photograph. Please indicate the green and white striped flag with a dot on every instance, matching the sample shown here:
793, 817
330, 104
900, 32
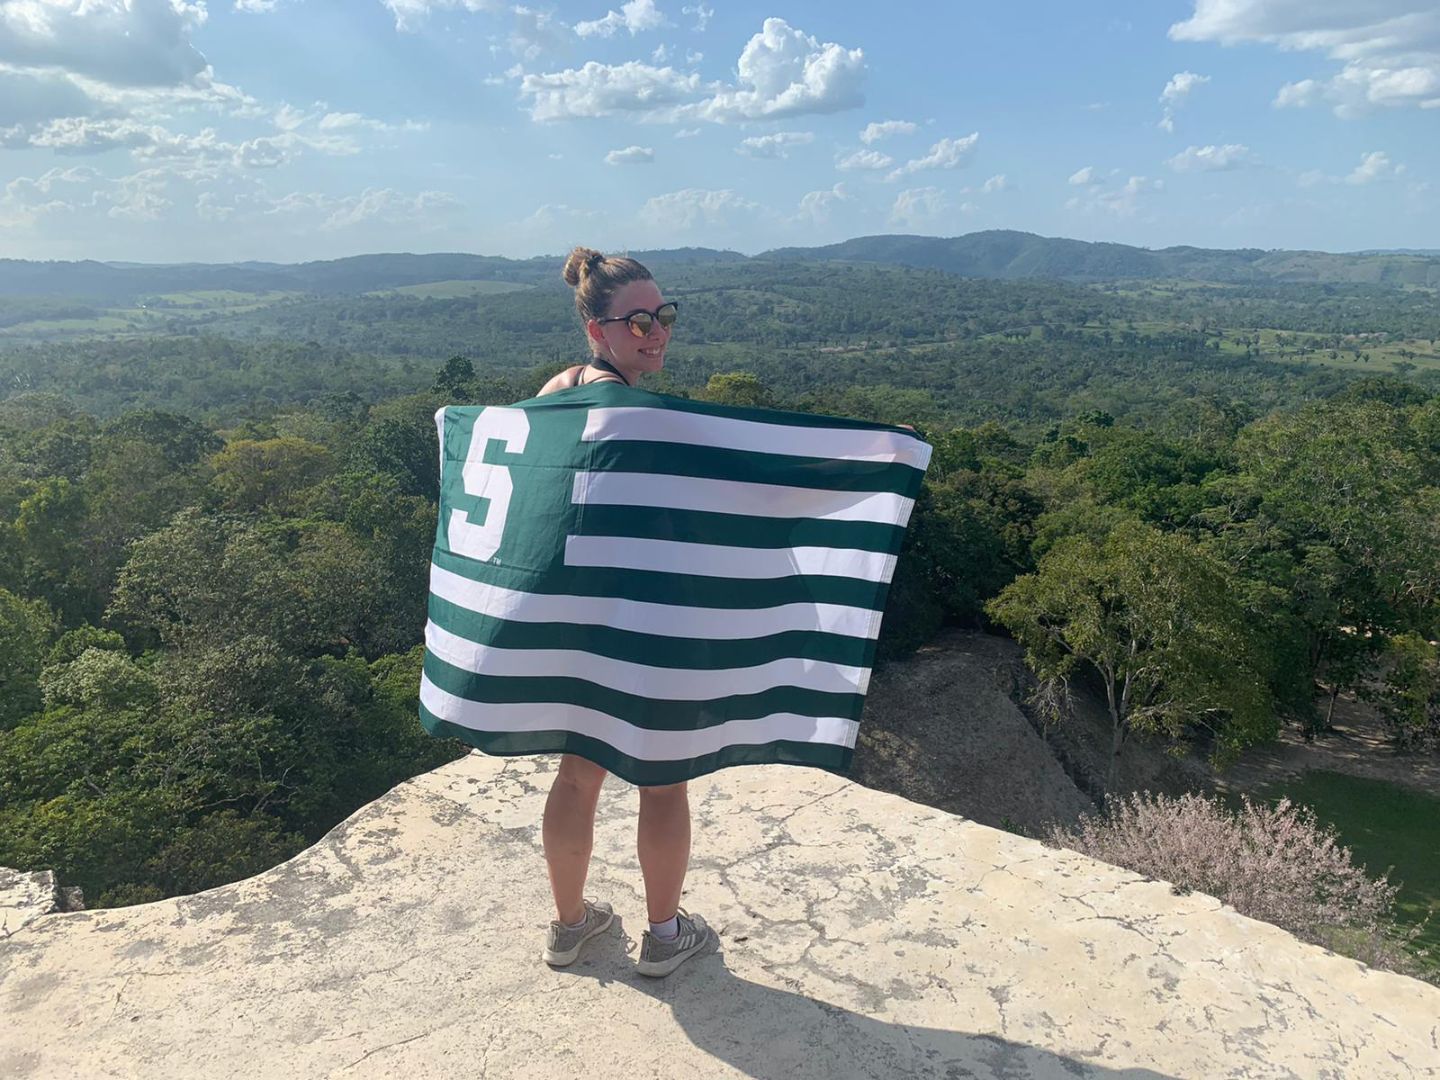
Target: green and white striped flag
665, 587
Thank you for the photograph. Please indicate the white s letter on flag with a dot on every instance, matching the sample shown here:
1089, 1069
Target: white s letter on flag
489, 482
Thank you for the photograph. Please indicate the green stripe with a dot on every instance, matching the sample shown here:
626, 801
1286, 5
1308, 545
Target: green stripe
650, 713
658, 588
656, 649
704, 527
752, 466
634, 770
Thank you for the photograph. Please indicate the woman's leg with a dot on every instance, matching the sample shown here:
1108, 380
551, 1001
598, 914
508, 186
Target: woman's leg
664, 847
569, 833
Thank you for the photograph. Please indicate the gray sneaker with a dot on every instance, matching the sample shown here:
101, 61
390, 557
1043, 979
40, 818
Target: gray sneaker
662, 957
562, 945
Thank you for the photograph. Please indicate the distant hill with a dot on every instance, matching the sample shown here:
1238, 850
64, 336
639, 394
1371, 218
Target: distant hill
997, 254
1007, 254
358, 274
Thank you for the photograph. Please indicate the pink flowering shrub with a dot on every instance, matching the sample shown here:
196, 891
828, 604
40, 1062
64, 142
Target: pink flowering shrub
1268, 862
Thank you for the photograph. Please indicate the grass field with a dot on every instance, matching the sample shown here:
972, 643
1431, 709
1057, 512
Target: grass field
146, 317
209, 300
452, 290
1383, 825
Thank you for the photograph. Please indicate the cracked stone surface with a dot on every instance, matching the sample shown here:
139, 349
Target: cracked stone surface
860, 935
24, 897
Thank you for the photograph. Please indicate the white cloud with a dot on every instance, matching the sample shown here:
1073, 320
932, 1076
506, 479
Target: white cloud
552, 216
386, 205
33, 97
1211, 158
692, 57
1123, 201
1389, 49
782, 72
141, 196
917, 207
1373, 166
661, 54
946, 154
1176, 91
696, 206
409, 14
631, 155
865, 159
1084, 177
1300, 94
815, 206
1180, 86
63, 59
203, 151
687, 133
702, 15
534, 33
344, 121
635, 16
329, 213
24, 201
256, 7
998, 182
139, 43
605, 90
785, 72
883, 129
774, 146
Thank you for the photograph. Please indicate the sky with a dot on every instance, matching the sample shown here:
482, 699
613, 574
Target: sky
289, 130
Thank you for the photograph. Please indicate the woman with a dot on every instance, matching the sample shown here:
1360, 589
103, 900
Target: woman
627, 323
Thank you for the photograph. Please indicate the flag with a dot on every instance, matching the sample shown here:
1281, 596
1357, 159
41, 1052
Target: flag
665, 587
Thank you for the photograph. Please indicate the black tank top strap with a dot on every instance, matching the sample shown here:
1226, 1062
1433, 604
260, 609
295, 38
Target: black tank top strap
604, 365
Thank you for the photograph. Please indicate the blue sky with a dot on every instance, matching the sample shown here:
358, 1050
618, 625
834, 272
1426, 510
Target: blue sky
176, 130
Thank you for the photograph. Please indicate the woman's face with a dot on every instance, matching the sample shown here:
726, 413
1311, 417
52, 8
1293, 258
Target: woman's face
613, 340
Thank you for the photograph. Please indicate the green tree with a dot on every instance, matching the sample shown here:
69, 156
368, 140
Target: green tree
1330, 505
26, 628
1151, 615
454, 379
270, 474
738, 388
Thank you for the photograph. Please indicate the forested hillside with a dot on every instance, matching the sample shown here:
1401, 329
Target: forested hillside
1215, 504
1001, 254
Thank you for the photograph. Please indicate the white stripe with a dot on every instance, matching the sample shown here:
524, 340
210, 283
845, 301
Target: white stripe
698, 429
737, 497
717, 560
630, 739
664, 620
644, 680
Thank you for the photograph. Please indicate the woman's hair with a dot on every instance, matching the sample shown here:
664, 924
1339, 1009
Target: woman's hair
596, 277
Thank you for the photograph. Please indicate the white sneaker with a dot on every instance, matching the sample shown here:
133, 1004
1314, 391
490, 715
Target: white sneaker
659, 957
562, 944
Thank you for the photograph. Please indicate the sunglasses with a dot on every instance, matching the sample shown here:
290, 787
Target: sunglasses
641, 321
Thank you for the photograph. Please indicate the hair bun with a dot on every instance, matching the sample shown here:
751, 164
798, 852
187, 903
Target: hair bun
582, 261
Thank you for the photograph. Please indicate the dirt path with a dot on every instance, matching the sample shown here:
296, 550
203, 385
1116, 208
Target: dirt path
1358, 746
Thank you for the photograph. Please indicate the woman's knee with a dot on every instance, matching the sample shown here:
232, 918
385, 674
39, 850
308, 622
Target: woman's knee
664, 793
580, 773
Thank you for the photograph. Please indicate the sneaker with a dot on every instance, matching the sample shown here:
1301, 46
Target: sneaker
662, 957
562, 945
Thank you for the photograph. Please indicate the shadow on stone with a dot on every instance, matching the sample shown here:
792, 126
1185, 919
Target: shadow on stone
774, 1034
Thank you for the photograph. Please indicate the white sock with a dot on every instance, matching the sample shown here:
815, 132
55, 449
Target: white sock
668, 930
579, 924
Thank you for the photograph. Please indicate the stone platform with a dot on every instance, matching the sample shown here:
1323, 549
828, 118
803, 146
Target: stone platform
860, 935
